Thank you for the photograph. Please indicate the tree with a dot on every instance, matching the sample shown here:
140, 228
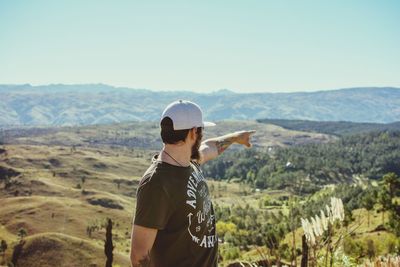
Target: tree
394, 220
368, 203
83, 179
348, 217
392, 183
386, 202
22, 233
108, 244
226, 228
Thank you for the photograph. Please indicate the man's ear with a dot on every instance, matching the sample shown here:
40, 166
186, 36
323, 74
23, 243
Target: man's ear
192, 133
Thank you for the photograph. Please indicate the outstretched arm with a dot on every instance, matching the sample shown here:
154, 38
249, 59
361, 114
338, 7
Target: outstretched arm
213, 147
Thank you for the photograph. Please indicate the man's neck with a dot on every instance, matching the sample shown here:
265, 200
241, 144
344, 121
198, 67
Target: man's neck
178, 155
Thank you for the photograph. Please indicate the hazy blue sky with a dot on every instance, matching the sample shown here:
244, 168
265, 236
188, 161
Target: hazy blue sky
244, 45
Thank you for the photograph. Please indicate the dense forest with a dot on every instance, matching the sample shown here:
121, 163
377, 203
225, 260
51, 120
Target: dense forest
360, 169
243, 227
308, 168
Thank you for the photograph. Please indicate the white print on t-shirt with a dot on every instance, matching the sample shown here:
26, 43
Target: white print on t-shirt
201, 221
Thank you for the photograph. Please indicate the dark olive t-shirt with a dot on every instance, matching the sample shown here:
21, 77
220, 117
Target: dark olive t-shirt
175, 200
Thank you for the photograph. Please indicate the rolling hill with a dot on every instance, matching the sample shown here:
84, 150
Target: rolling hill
55, 194
58, 183
146, 135
339, 128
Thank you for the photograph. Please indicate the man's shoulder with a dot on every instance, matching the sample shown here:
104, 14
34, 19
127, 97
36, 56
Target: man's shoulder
151, 175
158, 173
170, 178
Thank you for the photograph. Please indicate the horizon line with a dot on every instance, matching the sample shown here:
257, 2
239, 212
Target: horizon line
232, 91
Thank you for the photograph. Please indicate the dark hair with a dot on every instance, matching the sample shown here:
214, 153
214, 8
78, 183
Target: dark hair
171, 136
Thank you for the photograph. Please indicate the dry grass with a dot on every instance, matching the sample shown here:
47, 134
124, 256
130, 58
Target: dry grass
56, 249
53, 203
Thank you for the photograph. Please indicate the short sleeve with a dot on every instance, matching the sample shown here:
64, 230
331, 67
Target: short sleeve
153, 207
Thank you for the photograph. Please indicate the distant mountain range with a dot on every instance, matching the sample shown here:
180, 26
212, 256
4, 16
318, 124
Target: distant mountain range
87, 104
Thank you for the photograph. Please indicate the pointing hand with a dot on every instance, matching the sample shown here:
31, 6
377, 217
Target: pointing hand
243, 137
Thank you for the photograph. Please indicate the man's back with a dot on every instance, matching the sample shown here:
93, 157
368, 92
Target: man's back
175, 200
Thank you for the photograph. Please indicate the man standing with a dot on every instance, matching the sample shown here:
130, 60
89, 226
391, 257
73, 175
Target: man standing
174, 222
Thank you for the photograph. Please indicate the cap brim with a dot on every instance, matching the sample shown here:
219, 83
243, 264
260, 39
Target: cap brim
208, 124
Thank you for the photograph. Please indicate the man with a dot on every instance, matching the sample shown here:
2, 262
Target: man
174, 223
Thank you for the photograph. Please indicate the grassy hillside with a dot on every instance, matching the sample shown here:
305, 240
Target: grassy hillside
56, 249
47, 195
146, 135
332, 127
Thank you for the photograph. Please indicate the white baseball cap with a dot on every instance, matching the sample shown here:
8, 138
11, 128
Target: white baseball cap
185, 115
